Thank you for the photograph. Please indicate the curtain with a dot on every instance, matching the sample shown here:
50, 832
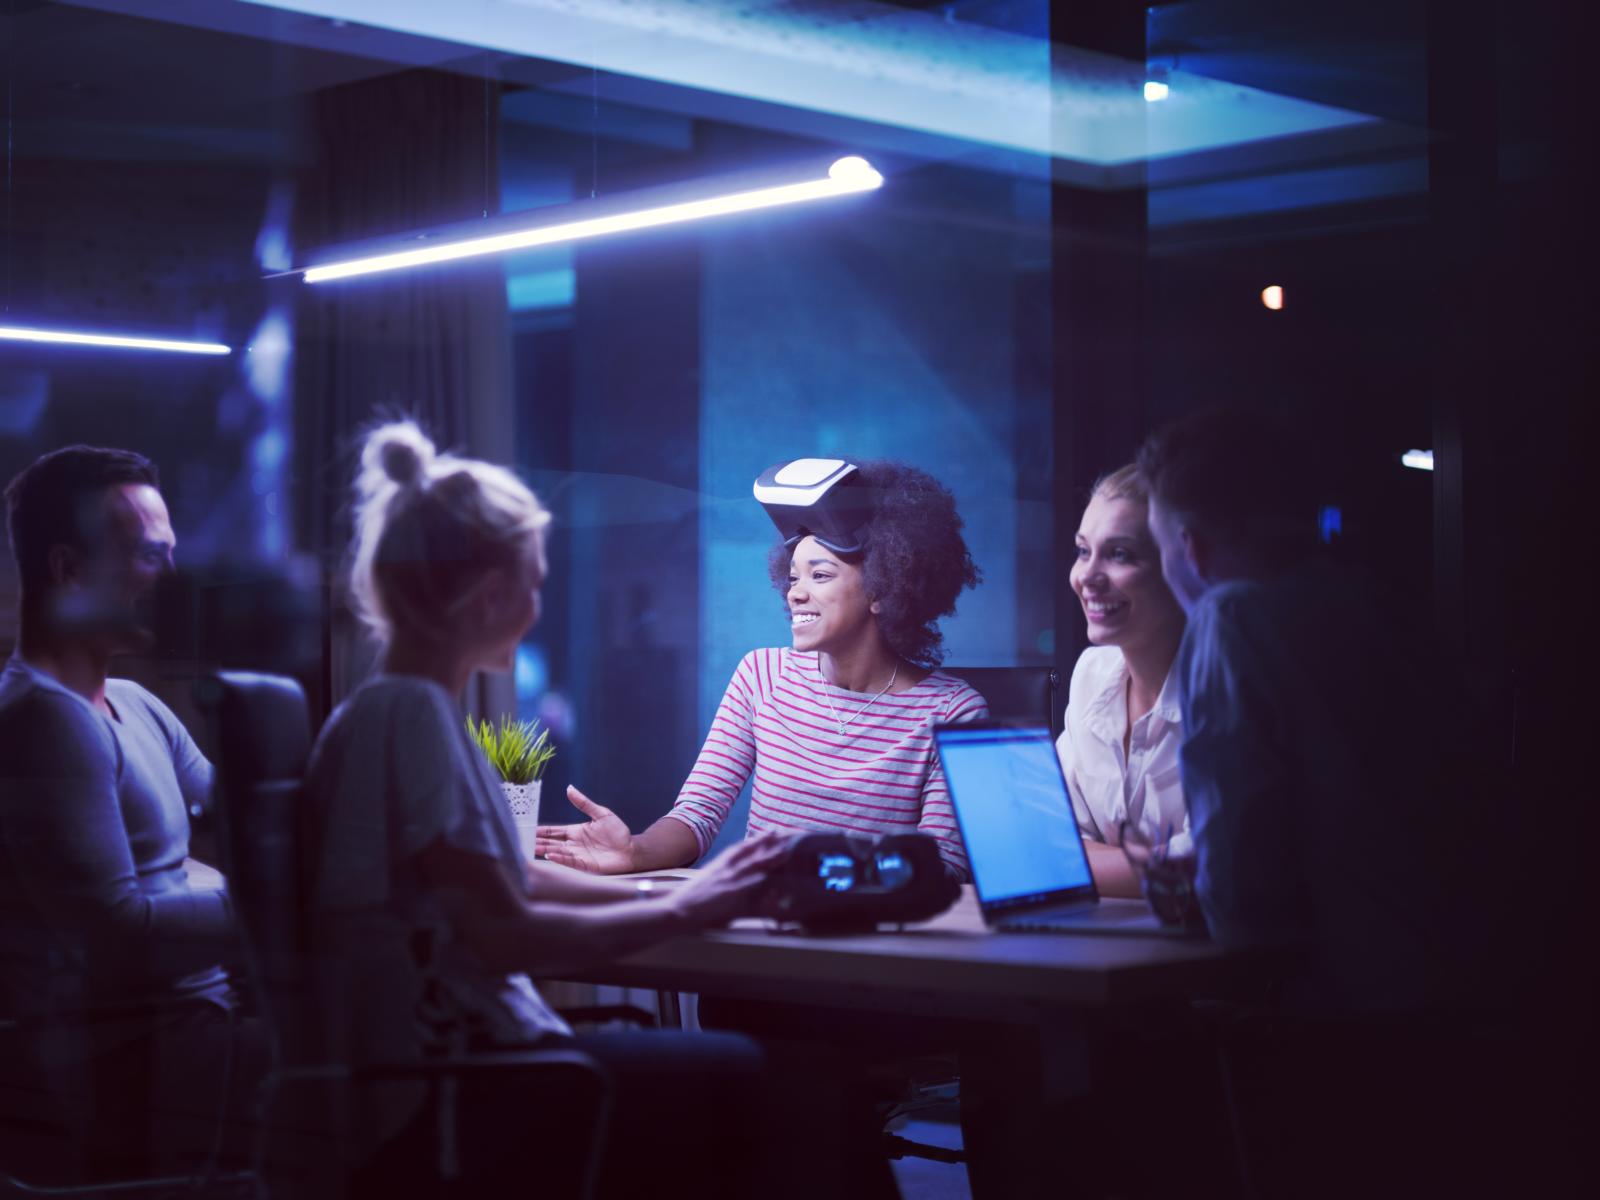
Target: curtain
397, 153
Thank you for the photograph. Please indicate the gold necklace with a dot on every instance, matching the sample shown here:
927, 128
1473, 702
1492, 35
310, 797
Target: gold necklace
841, 721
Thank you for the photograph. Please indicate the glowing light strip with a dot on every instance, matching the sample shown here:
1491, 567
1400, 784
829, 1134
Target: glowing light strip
62, 337
1422, 460
845, 177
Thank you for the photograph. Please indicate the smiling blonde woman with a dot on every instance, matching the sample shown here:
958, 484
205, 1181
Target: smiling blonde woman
1119, 744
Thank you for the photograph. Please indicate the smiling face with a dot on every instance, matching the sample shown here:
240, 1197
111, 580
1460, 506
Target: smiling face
828, 605
103, 588
1117, 576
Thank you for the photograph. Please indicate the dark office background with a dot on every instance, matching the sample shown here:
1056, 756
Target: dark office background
1012, 324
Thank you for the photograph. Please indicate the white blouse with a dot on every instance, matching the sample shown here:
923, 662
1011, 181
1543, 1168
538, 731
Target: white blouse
1107, 785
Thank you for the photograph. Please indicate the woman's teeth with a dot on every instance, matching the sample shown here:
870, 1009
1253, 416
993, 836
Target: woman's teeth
799, 619
1101, 608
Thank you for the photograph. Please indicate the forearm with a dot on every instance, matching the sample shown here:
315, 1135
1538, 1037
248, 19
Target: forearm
565, 885
547, 938
172, 934
1113, 873
666, 844
127, 930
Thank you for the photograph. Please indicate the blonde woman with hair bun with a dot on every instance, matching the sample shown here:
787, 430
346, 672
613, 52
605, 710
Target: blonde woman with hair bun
1120, 737
426, 914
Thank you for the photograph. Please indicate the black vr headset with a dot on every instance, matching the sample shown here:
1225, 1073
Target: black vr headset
822, 498
838, 883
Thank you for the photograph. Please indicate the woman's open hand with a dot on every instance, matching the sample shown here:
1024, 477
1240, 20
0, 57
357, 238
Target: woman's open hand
602, 845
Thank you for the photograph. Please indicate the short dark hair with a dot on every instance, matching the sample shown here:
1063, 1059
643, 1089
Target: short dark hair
47, 504
914, 560
1237, 475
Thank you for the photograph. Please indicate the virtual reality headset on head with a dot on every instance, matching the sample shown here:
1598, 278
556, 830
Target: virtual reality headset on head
822, 498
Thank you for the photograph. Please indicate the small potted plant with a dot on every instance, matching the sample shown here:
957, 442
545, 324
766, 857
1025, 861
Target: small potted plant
519, 751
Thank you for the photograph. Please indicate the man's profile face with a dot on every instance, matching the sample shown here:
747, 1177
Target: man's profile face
110, 579
1178, 554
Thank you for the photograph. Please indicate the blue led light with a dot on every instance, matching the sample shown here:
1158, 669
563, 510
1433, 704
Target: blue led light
1330, 522
111, 341
837, 872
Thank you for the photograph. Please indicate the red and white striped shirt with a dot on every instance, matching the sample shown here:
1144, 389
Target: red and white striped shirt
880, 775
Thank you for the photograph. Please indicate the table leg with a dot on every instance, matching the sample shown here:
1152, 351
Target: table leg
669, 1013
1017, 1085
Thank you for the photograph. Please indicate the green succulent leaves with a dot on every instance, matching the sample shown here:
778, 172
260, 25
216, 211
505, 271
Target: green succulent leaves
518, 750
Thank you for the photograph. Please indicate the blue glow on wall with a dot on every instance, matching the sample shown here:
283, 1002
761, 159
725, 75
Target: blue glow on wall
531, 672
533, 291
851, 337
24, 394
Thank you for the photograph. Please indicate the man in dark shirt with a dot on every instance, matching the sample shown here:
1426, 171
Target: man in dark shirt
100, 922
1343, 810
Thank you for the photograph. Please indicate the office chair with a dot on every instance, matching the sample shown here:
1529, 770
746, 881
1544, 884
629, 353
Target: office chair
51, 1143
1026, 695
264, 740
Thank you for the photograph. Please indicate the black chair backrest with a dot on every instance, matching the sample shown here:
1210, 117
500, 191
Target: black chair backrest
263, 739
1026, 695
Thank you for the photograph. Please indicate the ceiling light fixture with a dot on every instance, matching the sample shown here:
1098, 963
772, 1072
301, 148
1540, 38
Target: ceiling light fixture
640, 210
111, 341
1422, 460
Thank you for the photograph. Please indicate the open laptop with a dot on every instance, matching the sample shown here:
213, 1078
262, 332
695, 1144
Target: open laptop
1028, 862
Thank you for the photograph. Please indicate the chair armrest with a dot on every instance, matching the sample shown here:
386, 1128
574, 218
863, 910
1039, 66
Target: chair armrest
467, 1064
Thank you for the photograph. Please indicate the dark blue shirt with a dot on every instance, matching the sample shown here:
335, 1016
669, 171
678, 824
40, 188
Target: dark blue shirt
1333, 795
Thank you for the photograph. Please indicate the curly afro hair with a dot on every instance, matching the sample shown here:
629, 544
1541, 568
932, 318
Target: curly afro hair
914, 560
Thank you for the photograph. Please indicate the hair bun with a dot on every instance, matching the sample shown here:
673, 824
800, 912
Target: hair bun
399, 452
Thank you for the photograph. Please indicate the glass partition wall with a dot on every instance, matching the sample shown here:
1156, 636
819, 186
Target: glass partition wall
1087, 222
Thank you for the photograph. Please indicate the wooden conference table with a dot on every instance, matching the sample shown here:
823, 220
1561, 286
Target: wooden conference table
951, 966
1052, 989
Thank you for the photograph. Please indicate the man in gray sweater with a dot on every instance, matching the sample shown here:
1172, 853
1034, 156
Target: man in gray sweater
99, 921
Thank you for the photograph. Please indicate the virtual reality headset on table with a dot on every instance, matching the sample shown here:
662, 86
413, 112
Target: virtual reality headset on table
836, 882
822, 498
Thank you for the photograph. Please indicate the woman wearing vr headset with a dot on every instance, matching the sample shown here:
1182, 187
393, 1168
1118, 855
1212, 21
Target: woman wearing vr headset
425, 910
836, 728
1119, 744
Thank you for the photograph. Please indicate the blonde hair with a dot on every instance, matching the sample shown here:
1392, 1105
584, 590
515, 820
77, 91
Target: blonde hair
1125, 483
428, 528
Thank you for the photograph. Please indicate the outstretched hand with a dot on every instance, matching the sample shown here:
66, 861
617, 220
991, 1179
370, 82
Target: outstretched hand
602, 845
734, 882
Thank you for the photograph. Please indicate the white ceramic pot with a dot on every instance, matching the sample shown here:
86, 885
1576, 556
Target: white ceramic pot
523, 801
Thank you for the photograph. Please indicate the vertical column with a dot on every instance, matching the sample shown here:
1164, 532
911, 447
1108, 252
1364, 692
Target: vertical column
1098, 242
1461, 193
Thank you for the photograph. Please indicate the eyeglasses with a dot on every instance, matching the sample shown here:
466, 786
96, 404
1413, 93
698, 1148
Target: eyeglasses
1167, 880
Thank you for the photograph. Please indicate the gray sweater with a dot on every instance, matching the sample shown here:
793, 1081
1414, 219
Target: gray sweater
95, 904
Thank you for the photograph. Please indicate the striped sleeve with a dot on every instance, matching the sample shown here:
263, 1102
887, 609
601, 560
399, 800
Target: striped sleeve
938, 818
726, 759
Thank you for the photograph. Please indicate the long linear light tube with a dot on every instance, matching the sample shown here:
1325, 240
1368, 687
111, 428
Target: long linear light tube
64, 337
845, 177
